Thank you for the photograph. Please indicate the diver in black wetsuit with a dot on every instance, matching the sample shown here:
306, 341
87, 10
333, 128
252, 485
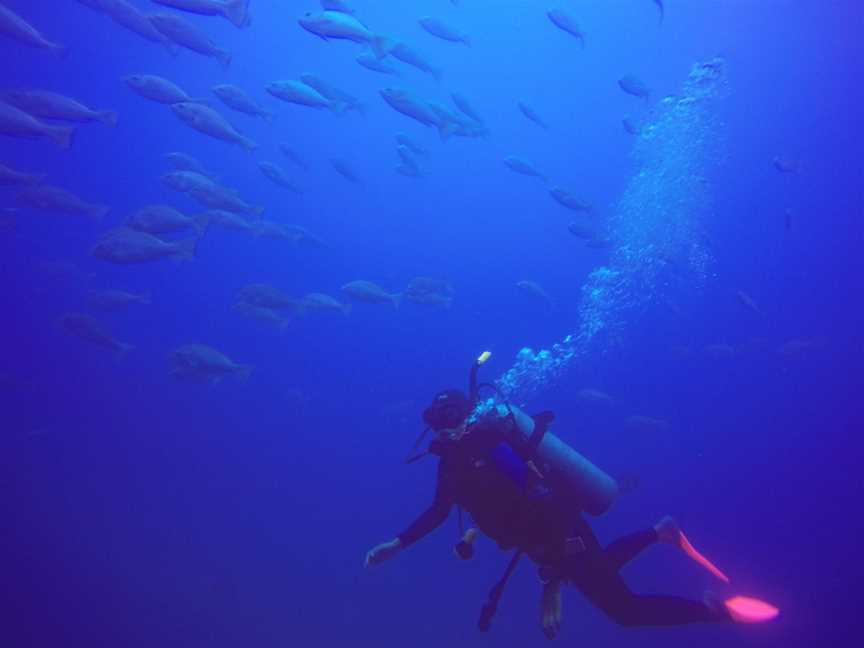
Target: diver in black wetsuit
508, 500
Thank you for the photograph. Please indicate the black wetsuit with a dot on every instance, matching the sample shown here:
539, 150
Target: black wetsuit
550, 532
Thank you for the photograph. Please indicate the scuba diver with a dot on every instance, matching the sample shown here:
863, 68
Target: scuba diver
526, 489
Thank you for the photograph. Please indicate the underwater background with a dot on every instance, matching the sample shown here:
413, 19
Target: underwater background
714, 364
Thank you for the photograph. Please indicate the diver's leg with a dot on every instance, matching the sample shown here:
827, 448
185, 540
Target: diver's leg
601, 584
625, 549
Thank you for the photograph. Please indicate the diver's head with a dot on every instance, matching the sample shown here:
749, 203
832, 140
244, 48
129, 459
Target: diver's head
448, 413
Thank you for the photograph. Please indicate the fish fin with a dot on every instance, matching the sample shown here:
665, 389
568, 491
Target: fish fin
243, 371
237, 13
248, 144
61, 136
397, 299
338, 107
185, 249
224, 58
359, 106
436, 73
108, 117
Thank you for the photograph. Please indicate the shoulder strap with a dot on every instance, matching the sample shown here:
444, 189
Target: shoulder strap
542, 421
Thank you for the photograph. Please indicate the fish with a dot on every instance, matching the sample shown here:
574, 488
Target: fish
520, 165
343, 26
187, 181
568, 200
595, 396
234, 11
372, 62
237, 99
322, 302
443, 31
334, 94
581, 231
787, 165
59, 200
567, 23
630, 126
457, 123
345, 169
157, 89
293, 156
535, 290
205, 364
411, 106
336, 5
115, 300
367, 291
131, 18
408, 166
164, 219
278, 176
262, 314
299, 93
125, 246
430, 291
531, 114
186, 35
633, 86
206, 120
659, 4
748, 302
185, 162
218, 197
9, 177
88, 329
14, 122
414, 147
647, 424
465, 107
15, 27
227, 219
51, 105
267, 296
406, 54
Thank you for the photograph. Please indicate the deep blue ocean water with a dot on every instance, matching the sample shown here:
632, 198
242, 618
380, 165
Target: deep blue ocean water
141, 510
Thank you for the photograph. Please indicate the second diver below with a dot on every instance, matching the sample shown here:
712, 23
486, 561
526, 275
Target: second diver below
488, 466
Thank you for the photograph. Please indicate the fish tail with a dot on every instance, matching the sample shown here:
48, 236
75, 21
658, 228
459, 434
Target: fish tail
397, 299
445, 130
107, 117
268, 116
224, 58
359, 106
186, 249
346, 309
61, 136
248, 144
145, 298
436, 73
466, 39
244, 371
237, 12
257, 210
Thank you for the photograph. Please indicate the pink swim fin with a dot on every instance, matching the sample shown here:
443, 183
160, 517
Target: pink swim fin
690, 550
749, 610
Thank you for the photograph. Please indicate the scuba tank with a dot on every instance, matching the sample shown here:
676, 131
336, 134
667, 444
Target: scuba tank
568, 471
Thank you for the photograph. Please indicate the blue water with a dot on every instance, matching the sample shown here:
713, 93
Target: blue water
141, 510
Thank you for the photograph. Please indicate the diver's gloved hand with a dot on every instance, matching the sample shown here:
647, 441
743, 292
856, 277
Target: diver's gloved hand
382, 552
550, 608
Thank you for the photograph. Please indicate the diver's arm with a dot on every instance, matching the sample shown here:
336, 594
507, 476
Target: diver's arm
430, 520
550, 608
